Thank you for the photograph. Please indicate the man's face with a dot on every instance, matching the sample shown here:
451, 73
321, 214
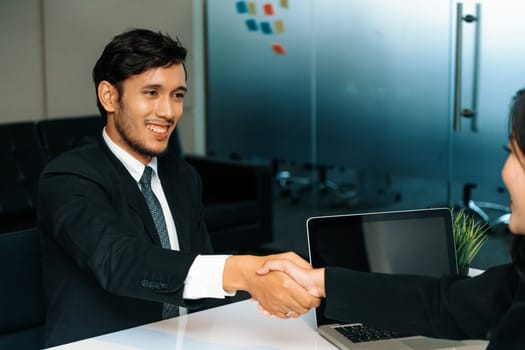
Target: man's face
148, 111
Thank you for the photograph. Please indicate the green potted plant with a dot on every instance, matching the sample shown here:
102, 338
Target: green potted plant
469, 236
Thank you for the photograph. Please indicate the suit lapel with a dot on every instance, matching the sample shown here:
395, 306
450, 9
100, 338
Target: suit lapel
136, 202
172, 190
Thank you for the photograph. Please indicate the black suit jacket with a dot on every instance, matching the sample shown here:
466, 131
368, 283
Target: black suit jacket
489, 306
104, 268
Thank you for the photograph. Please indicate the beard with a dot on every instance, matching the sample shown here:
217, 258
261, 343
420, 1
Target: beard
125, 127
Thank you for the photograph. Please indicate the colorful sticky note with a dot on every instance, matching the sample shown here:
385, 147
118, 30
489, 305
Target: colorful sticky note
252, 8
266, 27
251, 24
268, 9
284, 4
278, 49
241, 7
279, 26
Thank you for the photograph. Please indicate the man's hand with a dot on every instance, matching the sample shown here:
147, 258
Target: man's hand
277, 293
310, 279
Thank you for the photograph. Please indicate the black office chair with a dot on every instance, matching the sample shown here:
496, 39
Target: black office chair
59, 135
237, 197
22, 308
22, 161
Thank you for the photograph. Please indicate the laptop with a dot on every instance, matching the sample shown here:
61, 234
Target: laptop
419, 242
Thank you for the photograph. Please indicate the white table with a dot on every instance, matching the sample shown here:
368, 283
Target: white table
230, 327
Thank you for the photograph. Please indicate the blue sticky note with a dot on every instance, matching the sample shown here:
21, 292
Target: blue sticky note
266, 27
251, 24
241, 7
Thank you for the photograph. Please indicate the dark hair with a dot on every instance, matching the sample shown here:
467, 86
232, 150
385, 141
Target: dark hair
134, 52
517, 134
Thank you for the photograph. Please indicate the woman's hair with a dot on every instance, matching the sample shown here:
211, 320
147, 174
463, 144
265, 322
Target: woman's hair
134, 52
517, 134
518, 254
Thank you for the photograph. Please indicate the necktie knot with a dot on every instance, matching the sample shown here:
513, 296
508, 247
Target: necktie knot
145, 179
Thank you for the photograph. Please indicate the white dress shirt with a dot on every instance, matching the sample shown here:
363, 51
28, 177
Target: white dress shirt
204, 279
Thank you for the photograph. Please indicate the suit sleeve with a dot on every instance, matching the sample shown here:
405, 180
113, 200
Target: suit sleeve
451, 307
84, 210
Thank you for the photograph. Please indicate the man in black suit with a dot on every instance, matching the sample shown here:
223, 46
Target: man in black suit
111, 260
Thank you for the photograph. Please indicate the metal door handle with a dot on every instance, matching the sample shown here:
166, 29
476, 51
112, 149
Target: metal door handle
475, 72
472, 112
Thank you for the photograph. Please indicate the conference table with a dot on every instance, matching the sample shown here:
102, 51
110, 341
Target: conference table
234, 326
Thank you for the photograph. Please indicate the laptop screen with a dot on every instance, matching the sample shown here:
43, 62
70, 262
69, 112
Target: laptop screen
419, 242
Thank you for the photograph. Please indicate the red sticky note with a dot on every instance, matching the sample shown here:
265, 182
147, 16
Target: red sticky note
268, 9
278, 49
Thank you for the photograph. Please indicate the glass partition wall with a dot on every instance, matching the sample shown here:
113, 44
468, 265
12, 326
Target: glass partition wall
355, 102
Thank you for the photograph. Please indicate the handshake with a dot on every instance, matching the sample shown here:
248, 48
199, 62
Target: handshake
284, 285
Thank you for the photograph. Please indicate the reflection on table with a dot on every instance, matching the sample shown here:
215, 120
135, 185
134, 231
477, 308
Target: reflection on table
234, 326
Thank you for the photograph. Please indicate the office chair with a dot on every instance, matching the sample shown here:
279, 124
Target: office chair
22, 161
22, 308
480, 209
349, 187
60, 135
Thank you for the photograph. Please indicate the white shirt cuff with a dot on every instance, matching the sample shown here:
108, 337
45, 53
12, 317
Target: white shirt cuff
204, 279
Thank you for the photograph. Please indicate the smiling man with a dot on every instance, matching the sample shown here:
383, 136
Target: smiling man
124, 239
145, 112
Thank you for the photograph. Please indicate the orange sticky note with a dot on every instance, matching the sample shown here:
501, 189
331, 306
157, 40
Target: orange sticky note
268, 9
278, 49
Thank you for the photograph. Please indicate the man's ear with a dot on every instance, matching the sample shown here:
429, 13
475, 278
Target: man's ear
108, 96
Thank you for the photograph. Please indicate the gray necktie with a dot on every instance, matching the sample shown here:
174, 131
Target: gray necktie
168, 310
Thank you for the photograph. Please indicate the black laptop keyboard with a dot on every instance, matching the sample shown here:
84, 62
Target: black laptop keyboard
359, 333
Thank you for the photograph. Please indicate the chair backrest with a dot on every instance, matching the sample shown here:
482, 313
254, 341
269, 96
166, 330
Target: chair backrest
22, 161
22, 308
59, 135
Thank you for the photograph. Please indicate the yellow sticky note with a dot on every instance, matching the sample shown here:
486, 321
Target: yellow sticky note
284, 4
279, 26
252, 8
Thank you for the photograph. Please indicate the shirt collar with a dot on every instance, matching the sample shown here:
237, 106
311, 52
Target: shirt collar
134, 166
